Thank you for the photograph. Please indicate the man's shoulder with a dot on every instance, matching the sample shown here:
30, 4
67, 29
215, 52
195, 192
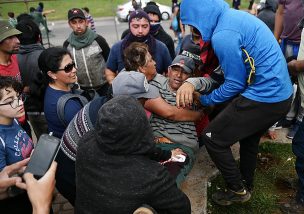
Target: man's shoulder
159, 81
163, 34
160, 44
117, 46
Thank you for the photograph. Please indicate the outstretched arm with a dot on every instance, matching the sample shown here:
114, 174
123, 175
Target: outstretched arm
160, 107
184, 95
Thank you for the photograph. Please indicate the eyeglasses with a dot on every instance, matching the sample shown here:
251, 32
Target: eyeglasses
15, 102
68, 68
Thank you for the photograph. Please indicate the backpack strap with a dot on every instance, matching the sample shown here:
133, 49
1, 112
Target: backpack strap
62, 102
66, 44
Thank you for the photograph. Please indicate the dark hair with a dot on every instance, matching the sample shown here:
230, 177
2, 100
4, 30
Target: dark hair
32, 9
86, 9
11, 14
30, 32
24, 16
135, 55
50, 60
41, 4
9, 82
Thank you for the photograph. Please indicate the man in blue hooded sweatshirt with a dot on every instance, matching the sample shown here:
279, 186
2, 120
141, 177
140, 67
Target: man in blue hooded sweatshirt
259, 89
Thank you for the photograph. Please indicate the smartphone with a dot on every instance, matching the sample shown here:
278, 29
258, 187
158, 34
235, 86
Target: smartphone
43, 155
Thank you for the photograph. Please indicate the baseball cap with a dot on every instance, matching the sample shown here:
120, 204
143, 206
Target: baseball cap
75, 13
6, 30
185, 62
134, 84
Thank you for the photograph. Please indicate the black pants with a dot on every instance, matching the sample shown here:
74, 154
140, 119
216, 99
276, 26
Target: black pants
245, 121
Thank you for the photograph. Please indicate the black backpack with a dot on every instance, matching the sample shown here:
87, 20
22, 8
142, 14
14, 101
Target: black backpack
83, 96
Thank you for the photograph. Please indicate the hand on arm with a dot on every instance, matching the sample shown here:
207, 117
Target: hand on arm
40, 191
184, 95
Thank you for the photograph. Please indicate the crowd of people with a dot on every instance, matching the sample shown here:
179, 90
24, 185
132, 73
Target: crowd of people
131, 118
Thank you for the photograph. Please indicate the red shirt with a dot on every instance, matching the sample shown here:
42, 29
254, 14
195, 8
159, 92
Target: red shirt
12, 69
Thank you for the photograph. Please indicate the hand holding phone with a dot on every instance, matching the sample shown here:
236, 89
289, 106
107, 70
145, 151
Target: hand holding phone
43, 155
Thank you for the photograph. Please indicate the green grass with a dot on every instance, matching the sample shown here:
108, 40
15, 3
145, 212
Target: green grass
98, 8
275, 165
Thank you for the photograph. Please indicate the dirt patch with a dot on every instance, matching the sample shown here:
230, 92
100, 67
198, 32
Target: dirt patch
267, 160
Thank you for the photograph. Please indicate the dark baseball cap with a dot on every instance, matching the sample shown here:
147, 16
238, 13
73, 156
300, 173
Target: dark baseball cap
185, 62
6, 30
75, 13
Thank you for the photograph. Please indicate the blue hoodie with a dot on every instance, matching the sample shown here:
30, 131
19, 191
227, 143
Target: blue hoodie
229, 31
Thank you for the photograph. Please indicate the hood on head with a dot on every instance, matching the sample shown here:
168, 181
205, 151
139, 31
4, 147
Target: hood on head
122, 127
202, 14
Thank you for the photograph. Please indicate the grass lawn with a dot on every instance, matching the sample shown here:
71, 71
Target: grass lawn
271, 189
98, 8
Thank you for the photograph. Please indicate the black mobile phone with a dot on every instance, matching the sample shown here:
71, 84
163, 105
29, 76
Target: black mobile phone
43, 155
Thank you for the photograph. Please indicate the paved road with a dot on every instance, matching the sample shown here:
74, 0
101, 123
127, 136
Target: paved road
108, 27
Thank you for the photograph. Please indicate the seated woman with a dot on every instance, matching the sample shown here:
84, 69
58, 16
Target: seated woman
118, 176
60, 73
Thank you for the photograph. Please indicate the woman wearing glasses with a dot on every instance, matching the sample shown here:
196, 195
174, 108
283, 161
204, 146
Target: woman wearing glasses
59, 72
15, 144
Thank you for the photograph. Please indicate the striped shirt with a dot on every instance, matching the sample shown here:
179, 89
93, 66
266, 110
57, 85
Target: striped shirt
178, 132
92, 23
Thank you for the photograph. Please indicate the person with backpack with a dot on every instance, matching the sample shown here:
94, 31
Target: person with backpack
59, 74
90, 52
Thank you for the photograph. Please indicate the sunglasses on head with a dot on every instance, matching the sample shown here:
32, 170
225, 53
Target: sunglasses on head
68, 68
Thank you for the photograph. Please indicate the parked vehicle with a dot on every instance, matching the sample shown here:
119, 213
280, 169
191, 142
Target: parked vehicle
124, 10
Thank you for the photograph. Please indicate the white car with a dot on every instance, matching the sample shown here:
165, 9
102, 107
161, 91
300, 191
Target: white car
124, 10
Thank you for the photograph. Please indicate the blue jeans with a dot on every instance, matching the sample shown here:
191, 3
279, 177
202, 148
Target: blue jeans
289, 48
298, 150
179, 43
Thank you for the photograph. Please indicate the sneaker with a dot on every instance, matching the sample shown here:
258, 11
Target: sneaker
284, 123
292, 132
229, 197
